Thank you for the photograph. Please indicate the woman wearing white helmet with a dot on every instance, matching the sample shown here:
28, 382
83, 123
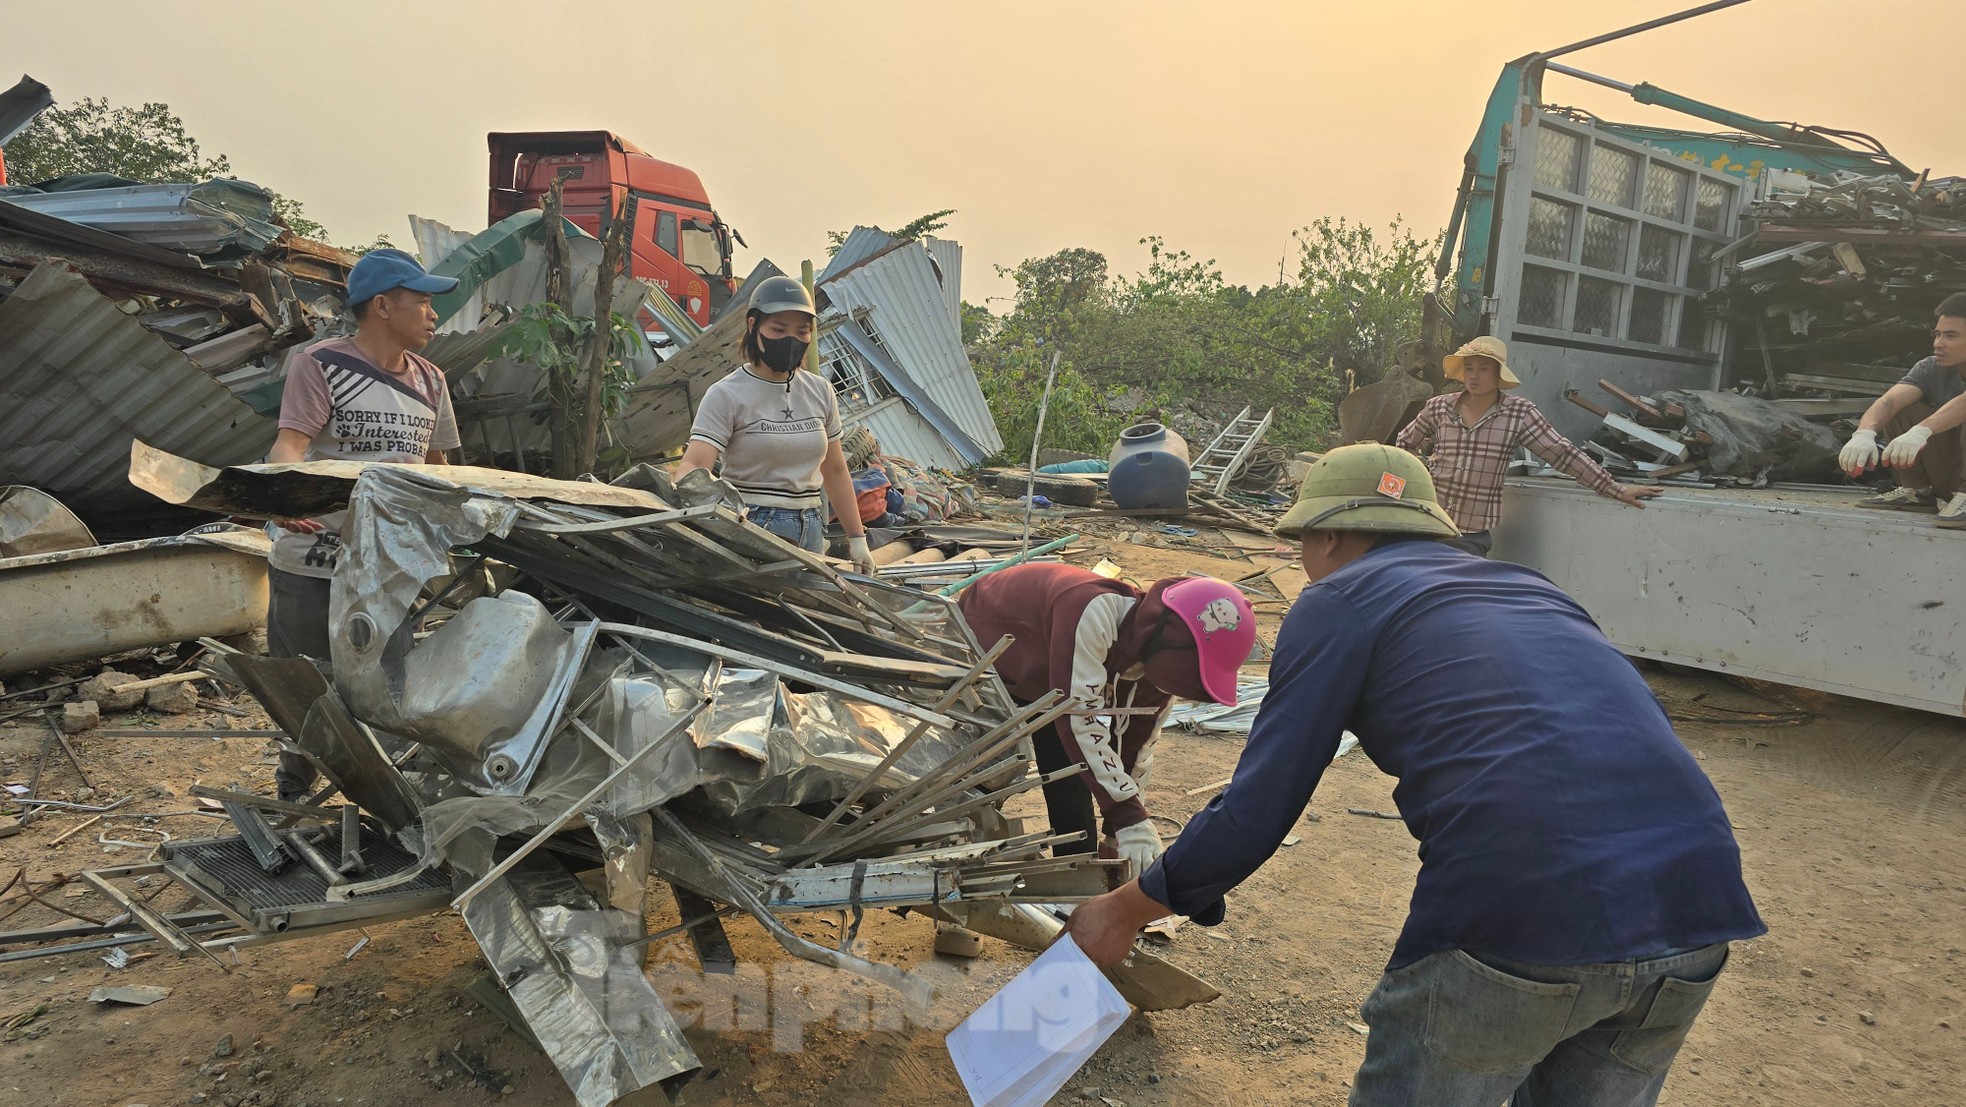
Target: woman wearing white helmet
777, 428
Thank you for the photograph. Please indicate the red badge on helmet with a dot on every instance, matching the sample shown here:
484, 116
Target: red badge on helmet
1390, 485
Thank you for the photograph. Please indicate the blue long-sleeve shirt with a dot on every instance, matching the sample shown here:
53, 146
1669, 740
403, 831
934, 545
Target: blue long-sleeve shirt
1560, 821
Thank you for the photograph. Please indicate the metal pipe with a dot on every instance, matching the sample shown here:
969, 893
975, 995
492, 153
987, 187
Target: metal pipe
314, 858
1627, 32
465, 897
1591, 77
1037, 436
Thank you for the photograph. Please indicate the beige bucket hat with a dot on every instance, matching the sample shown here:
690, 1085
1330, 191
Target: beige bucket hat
1485, 346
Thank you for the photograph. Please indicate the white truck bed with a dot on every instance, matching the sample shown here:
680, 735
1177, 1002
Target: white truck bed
1797, 587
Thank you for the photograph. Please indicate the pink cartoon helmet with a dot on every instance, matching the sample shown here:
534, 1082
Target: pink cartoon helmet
1219, 617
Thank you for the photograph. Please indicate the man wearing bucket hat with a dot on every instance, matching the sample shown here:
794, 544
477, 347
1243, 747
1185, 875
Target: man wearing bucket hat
1578, 881
1120, 655
366, 397
1474, 433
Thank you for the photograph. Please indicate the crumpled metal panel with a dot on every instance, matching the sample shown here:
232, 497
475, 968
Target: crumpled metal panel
79, 380
907, 307
396, 538
217, 217
819, 745
564, 960
469, 690
33, 522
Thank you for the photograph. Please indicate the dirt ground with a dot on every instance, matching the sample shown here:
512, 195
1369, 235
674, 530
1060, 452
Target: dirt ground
1852, 826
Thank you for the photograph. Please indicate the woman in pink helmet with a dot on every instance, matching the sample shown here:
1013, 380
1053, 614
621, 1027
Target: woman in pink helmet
1109, 646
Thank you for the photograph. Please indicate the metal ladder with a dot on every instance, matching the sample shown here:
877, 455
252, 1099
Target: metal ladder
1218, 465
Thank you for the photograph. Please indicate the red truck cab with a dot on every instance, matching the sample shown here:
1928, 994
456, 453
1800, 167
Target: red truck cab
679, 243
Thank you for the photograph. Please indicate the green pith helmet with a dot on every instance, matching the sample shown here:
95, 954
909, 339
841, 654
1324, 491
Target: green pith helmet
1368, 487
775, 294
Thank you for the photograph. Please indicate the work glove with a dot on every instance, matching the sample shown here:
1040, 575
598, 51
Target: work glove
1859, 454
1903, 449
862, 557
1139, 843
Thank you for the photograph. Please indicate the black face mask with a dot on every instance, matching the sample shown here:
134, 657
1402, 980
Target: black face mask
782, 355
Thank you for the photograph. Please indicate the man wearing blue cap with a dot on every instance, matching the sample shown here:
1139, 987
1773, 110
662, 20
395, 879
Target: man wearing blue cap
365, 397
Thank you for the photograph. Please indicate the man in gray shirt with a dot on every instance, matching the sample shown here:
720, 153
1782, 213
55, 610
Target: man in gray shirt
1923, 419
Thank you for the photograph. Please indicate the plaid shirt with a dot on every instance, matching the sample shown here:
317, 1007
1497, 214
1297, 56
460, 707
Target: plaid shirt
1469, 463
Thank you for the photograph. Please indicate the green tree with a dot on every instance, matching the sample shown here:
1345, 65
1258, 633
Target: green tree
1178, 337
147, 144
915, 228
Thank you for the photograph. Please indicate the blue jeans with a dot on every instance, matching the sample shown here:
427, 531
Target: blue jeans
1455, 1030
802, 527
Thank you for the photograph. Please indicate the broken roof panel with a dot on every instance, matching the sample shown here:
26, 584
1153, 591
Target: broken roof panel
79, 380
898, 298
216, 217
948, 256
861, 243
20, 104
919, 429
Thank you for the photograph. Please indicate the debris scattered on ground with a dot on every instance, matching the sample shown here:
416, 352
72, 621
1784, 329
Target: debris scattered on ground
133, 995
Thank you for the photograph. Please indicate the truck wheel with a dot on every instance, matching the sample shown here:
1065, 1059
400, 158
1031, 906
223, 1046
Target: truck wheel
1070, 491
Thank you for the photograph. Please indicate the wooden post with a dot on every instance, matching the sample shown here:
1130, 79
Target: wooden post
557, 389
595, 361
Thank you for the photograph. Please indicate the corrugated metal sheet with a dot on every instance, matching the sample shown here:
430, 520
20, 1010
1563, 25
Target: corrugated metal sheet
861, 243
214, 217
907, 308
79, 379
868, 352
434, 243
948, 255
903, 433
53, 228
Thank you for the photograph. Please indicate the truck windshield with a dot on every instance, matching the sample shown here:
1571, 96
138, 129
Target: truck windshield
700, 251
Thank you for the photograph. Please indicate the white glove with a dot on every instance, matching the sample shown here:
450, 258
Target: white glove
1859, 454
862, 557
1139, 843
1903, 449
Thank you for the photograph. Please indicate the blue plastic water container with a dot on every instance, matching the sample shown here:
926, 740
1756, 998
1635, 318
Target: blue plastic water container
1150, 479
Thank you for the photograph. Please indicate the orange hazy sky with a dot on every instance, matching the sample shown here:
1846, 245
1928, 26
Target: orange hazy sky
1220, 126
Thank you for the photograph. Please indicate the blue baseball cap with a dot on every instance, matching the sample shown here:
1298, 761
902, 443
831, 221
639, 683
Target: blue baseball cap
379, 271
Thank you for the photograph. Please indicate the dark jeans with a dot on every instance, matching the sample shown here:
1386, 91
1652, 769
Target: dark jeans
1068, 802
296, 626
1477, 543
1456, 1030
1941, 465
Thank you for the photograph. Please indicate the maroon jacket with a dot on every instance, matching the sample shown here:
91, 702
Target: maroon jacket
1079, 632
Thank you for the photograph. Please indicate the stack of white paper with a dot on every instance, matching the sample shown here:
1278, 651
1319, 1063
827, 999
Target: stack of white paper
1019, 1048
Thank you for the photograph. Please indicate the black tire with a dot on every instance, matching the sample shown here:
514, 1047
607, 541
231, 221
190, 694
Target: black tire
1069, 491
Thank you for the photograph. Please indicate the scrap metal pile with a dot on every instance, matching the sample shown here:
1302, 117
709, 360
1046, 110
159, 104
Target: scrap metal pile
533, 678
171, 327
1708, 438
1837, 281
